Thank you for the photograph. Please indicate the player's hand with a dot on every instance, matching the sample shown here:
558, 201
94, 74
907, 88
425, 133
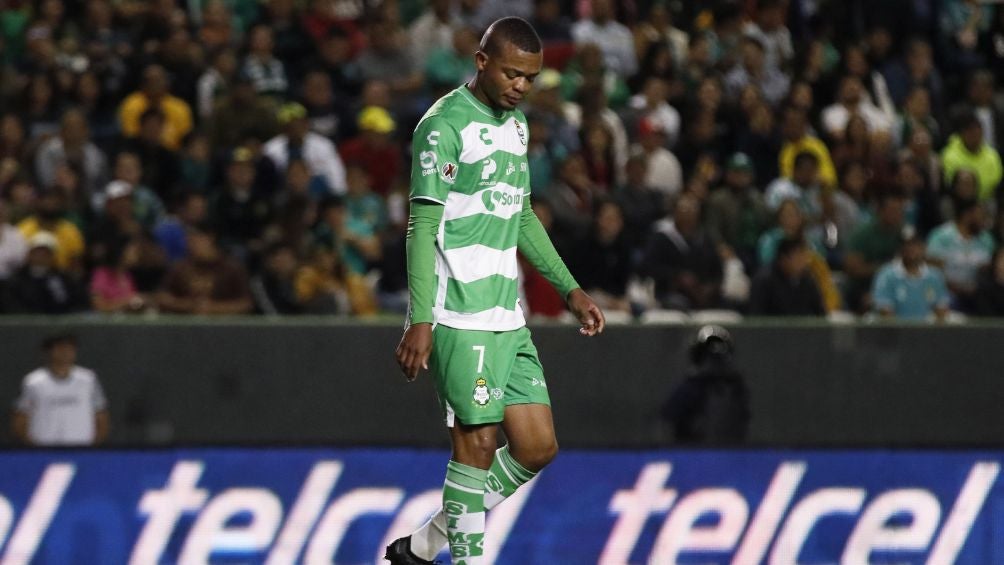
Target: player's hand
413, 351
588, 313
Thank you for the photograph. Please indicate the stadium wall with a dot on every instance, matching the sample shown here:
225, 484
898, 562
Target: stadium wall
259, 381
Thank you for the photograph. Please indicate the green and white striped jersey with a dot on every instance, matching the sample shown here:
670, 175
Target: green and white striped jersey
472, 160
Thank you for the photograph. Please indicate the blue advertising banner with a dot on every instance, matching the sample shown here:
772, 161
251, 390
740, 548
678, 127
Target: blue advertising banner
305, 505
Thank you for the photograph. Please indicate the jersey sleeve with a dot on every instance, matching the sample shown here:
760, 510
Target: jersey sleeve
435, 160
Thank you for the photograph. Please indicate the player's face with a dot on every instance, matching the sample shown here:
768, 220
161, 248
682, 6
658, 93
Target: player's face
507, 77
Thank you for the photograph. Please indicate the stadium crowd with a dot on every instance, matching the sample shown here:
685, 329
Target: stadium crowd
772, 157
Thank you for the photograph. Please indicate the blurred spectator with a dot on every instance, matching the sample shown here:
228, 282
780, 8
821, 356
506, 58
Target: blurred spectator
651, 104
791, 224
323, 110
154, 93
588, 74
351, 238
796, 140
292, 43
613, 38
712, 405
206, 282
274, 288
433, 30
758, 139
803, 187
664, 171
148, 207
915, 69
873, 244
72, 147
49, 211
195, 164
916, 115
13, 246
363, 205
602, 263
267, 73
966, 149
387, 58
736, 214
335, 58
215, 81
298, 142
768, 27
754, 70
907, 288
240, 211
660, 27
61, 403
553, 27
961, 248
598, 154
446, 67
325, 285
682, 260
990, 287
786, 287
40, 286
161, 168
593, 104
852, 102
40, 107
117, 224
980, 102
375, 149
571, 198
112, 286
191, 209
240, 114
640, 204
961, 23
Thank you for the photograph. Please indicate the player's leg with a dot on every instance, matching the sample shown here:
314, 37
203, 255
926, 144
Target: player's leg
469, 373
531, 443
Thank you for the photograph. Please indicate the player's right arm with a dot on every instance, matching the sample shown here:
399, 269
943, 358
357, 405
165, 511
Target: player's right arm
435, 156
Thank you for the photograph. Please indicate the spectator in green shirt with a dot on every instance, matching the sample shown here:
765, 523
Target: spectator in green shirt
872, 245
967, 150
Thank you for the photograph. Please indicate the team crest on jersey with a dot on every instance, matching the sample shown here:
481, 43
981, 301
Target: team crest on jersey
521, 133
481, 394
448, 172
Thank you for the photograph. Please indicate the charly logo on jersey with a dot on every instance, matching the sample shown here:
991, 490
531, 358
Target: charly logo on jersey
481, 394
448, 172
501, 197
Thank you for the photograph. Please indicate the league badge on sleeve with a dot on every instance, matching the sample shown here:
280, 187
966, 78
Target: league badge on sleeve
448, 172
481, 395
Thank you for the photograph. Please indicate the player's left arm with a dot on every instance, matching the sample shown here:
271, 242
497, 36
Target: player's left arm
536, 246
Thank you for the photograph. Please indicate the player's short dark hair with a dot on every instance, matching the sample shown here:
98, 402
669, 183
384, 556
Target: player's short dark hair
516, 31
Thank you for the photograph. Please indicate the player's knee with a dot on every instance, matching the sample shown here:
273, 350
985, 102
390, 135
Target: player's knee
541, 454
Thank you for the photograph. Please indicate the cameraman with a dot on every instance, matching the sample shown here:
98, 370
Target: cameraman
712, 405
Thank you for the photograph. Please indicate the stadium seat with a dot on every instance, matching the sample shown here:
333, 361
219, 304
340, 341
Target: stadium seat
716, 317
664, 317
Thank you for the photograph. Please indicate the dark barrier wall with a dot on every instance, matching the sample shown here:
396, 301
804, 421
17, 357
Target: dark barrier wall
262, 381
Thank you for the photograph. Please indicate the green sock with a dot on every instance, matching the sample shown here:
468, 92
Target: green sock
504, 477
464, 507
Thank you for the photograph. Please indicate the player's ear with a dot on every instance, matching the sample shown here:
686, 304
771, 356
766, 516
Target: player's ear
480, 60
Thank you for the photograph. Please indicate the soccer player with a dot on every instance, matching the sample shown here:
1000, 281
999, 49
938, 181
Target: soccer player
470, 212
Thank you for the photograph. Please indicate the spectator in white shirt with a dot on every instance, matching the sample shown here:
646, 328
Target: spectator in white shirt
612, 37
664, 171
61, 403
297, 142
13, 246
432, 30
851, 100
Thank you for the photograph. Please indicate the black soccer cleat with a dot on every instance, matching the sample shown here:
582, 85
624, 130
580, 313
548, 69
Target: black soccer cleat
399, 553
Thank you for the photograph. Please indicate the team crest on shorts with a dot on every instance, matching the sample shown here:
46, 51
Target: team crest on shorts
481, 395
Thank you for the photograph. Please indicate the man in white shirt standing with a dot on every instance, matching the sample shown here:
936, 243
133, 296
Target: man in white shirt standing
612, 37
298, 142
61, 403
